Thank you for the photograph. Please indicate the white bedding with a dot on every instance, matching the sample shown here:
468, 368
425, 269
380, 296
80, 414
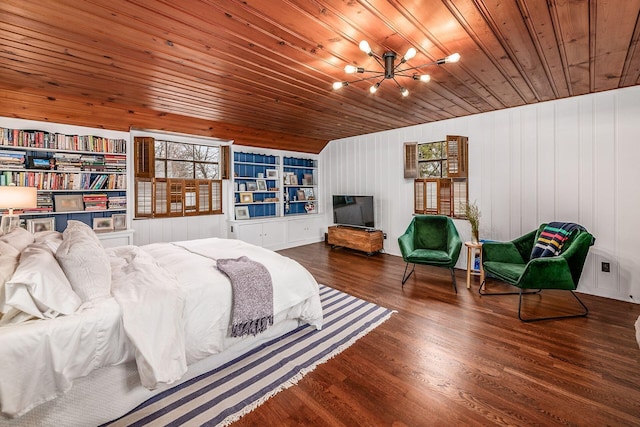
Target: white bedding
170, 308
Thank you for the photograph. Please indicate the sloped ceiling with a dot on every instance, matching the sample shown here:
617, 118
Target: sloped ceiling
261, 72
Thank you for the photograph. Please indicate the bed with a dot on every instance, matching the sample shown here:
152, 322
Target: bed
131, 322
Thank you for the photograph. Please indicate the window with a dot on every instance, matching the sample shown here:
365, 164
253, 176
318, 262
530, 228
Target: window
432, 160
189, 161
177, 178
442, 187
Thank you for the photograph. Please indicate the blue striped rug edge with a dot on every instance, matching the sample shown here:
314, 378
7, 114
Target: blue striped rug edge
303, 372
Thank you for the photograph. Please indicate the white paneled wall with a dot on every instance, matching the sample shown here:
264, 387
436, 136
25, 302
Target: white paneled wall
180, 228
576, 159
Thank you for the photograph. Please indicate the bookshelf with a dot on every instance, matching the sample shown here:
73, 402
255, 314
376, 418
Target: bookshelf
256, 185
273, 214
300, 185
80, 177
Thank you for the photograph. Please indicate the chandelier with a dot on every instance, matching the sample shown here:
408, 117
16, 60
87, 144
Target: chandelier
391, 70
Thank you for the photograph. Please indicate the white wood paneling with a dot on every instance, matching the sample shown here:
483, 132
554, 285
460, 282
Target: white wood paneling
570, 160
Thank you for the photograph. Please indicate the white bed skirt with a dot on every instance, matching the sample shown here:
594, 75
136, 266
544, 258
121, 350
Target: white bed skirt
109, 393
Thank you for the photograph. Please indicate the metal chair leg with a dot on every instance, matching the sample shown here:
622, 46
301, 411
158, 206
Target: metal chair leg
483, 291
404, 276
536, 319
453, 279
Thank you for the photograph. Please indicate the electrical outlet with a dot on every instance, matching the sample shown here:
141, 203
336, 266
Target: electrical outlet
384, 235
606, 267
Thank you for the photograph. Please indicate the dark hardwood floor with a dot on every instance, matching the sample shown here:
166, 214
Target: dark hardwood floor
446, 360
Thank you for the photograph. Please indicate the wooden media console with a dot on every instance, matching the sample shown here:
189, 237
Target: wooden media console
361, 239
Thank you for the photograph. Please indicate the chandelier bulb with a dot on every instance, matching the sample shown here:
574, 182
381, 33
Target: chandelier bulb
410, 54
374, 88
454, 57
338, 85
425, 78
364, 46
350, 69
404, 91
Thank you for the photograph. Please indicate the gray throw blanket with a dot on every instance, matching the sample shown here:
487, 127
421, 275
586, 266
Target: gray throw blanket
252, 310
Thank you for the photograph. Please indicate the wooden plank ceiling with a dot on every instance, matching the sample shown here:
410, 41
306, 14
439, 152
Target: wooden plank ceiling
261, 72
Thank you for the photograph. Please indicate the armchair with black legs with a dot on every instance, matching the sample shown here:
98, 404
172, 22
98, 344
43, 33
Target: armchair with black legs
430, 240
551, 257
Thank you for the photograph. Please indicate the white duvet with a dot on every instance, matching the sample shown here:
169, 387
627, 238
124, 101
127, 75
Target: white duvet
170, 307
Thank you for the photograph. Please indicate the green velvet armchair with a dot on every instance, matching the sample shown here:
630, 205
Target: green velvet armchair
430, 240
511, 262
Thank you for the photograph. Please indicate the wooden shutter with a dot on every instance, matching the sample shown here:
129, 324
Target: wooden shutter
433, 196
410, 160
216, 196
445, 207
460, 196
426, 196
225, 162
419, 192
176, 197
144, 198
161, 198
144, 157
457, 156
191, 197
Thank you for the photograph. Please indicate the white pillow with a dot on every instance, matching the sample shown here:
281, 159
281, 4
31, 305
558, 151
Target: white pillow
53, 239
39, 287
8, 263
74, 226
85, 263
19, 238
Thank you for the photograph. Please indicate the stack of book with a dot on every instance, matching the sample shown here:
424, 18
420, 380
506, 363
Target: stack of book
92, 162
45, 202
115, 163
94, 202
10, 159
68, 162
117, 202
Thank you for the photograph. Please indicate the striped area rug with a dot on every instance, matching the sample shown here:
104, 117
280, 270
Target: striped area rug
223, 395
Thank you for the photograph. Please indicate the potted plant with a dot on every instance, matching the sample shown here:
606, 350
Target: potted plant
473, 215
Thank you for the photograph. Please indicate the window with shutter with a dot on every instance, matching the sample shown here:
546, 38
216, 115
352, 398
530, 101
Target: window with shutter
177, 179
442, 184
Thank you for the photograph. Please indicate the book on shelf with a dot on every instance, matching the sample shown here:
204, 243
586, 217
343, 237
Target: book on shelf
117, 202
57, 141
94, 202
12, 159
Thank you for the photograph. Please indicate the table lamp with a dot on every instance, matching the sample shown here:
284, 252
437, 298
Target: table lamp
12, 197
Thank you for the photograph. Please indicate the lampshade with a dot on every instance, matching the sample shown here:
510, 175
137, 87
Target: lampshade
12, 197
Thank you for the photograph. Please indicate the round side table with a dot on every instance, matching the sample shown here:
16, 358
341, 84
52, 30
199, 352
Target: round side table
472, 247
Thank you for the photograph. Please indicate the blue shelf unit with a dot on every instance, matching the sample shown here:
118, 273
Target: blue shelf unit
252, 170
299, 178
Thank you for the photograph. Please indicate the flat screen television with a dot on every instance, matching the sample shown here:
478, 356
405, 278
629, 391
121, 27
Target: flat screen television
354, 211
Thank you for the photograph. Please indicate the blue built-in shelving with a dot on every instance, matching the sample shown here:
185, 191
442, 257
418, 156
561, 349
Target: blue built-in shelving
256, 185
270, 185
300, 185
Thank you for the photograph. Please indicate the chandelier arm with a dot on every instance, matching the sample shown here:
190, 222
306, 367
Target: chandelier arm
366, 78
379, 60
419, 66
401, 74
